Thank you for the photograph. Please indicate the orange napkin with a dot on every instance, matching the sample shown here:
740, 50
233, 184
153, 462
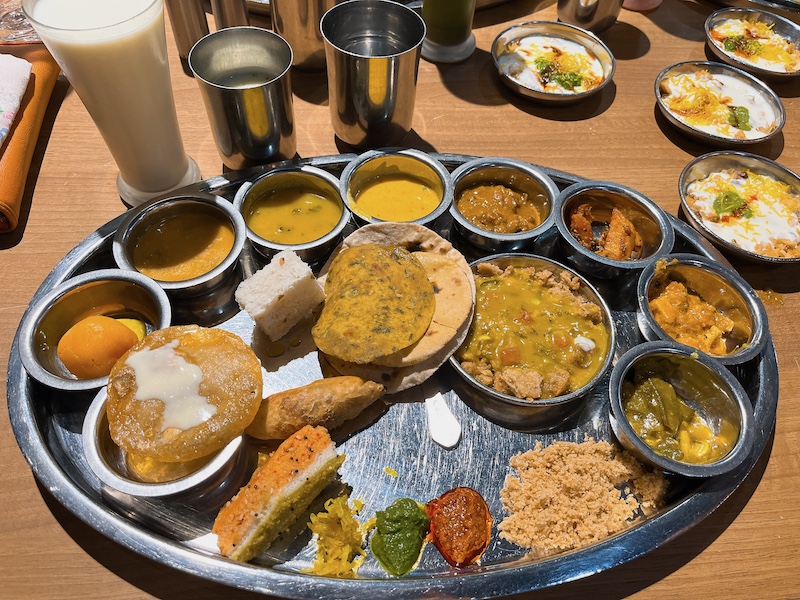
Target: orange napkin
21, 142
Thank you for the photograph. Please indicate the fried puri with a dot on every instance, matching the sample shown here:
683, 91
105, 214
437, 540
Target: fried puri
182, 393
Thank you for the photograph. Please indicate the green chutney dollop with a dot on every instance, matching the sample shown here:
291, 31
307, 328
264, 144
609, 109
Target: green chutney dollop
399, 535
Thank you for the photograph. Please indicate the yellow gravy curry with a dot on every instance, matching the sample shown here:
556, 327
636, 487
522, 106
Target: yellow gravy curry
533, 335
396, 197
183, 245
293, 215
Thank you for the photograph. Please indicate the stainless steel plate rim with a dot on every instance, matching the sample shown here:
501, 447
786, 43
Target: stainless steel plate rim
483, 582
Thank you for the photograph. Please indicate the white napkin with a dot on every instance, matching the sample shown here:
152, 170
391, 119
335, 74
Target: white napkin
14, 75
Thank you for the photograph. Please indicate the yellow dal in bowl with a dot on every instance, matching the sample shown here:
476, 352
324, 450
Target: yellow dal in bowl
395, 197
182, 246
293, 215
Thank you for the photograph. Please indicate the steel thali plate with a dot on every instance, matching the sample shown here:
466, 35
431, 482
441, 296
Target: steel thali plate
48, 424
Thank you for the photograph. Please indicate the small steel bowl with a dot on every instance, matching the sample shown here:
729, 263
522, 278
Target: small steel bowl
537, 415
757, 88
561, 30
303, 177
648, 218
225, 469
516, 175
107, 292
392, 161
702, 166
702, 383
717, 285
781, 26
142, 218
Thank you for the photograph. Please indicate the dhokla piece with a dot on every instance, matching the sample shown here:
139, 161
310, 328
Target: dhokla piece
280, 295
277, 494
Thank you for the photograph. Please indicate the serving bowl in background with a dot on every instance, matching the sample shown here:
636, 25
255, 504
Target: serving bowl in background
299, 193
189, 244
721, 27
716, 285
650, 222
742, 89
107, 292
544, 413
515, 71
781, 220
219, 475
371, 183
703, 384
522, 179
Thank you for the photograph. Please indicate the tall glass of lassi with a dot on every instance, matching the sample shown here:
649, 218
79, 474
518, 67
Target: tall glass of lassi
114, 53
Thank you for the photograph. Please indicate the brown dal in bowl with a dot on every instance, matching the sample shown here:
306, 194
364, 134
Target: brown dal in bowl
501, 209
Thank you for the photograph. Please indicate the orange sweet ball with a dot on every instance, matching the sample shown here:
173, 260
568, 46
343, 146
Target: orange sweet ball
91, 347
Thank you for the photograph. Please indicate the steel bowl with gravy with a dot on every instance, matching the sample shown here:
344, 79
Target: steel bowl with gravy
541, 339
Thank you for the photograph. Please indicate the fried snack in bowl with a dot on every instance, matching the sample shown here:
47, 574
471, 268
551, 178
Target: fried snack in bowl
182, 393
328, 402
449, 276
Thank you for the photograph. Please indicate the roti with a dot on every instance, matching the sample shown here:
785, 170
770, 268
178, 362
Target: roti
454, 289
378, 301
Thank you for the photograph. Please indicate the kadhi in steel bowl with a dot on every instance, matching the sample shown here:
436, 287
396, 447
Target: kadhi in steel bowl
297, 208
371, 184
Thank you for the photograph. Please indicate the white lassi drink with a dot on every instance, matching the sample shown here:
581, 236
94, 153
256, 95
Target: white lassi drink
114, 54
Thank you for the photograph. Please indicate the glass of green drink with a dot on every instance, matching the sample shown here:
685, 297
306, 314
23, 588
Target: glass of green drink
449, 36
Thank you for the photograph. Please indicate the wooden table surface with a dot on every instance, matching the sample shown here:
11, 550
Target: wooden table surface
748, 548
